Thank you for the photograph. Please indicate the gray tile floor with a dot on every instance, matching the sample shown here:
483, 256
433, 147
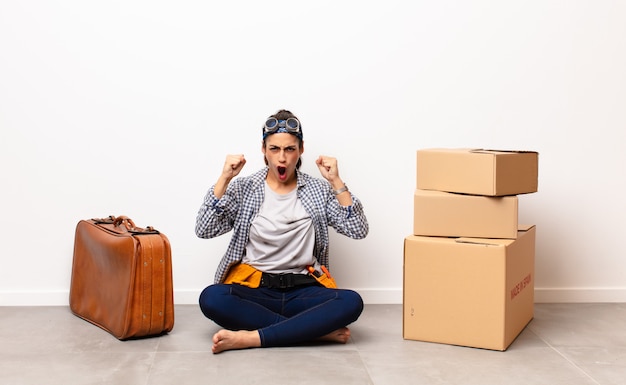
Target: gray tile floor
566, 344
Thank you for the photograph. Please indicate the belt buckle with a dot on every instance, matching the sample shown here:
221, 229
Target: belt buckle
285, 281
278, 281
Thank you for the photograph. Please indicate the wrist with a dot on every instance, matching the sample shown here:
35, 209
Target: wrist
340, 190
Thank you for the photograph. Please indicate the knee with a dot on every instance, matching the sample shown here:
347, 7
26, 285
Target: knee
353, 303
209, 300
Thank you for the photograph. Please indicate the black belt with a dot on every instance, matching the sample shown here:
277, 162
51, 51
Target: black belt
286, 280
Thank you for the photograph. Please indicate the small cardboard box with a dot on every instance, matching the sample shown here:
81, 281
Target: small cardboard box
443, 214
468, 291
478, 172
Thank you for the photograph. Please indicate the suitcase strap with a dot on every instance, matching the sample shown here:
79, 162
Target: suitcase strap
153, 280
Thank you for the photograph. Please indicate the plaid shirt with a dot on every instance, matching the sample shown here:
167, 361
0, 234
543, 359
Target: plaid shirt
242, 201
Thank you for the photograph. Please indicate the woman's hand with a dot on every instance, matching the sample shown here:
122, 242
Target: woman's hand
328, 168
232, 167
330, 172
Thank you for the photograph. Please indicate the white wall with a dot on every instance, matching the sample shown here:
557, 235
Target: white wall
129, 107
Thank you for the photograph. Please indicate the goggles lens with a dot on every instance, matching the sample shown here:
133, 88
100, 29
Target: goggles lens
273, 125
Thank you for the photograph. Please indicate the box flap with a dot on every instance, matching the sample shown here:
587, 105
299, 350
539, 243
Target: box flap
524, 227
493, 241
489, 151
484, 241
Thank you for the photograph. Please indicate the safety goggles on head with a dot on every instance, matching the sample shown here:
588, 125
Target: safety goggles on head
290, 125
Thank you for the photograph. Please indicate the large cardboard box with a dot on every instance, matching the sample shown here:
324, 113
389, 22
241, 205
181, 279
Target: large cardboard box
438, 213
468, 291
478, 172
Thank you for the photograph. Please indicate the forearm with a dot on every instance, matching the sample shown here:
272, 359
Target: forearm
350, 220
340, 189
220, 186
212, 220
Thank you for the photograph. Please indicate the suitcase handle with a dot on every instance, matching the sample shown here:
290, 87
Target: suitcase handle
132, 228
108, 220
128, 223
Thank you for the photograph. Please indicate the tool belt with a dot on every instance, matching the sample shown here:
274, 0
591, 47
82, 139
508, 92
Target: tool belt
246, 275
286, 280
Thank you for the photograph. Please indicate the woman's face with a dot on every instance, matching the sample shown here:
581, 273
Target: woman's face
282, 152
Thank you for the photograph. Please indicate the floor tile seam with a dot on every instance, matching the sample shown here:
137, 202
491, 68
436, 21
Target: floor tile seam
365, 366
576, 346
580, 369
149, 375
182, 351
152, 361
276, 349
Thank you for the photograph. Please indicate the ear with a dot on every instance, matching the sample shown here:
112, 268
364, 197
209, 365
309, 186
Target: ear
301, 147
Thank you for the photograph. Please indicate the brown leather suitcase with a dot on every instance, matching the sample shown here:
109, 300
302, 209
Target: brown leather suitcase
122, 278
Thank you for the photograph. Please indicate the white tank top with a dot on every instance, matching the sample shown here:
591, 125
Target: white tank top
281, 235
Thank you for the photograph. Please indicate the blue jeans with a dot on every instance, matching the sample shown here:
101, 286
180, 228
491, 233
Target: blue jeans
282, 317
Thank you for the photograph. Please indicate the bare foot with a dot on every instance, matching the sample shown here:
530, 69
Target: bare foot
230, 340
340, 335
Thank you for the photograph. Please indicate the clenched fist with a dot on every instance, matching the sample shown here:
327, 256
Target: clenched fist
233, 165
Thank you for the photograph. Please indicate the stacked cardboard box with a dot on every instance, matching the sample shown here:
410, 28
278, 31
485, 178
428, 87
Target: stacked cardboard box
469, 264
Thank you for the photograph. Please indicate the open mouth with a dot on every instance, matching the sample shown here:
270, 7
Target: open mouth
282, 171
